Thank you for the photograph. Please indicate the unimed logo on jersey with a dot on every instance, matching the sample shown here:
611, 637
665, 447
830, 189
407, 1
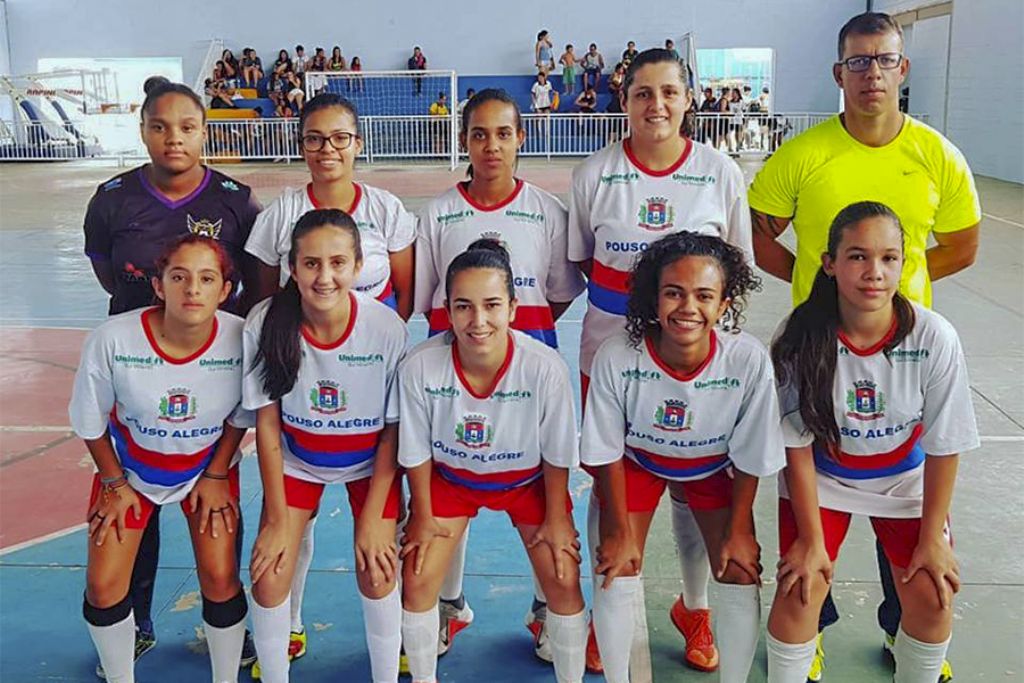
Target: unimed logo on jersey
656, 214
179, 405
474, 432
455, 217
865, 401
204, 227
673, 416
327, 398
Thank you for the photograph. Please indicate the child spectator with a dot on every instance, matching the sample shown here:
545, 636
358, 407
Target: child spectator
356, 82
540, 94
568, 62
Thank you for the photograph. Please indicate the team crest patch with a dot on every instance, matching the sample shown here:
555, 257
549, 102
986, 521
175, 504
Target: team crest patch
204, 227
474, 432
179, 405
229, 185
133, 274
656, 214
865, 401
327, 398
673, 416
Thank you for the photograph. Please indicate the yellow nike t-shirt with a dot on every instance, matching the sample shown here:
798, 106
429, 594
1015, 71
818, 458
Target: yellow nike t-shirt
920, 175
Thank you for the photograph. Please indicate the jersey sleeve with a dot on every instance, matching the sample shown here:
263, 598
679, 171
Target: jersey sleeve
756, 446
265, 235
604, 421
776, 186
394, 360
794, 432
564, 282
427, 275
738, 230
98, 240
400, 229
558, 444
249, 213
414, 427
948, 414
959, 207
581, 232
254, 396
92, 396
242, 418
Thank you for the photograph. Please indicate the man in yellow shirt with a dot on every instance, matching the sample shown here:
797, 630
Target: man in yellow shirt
439, 109
870, 152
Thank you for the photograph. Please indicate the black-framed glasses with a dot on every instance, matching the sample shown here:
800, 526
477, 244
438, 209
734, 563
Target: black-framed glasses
314, 142
886, 60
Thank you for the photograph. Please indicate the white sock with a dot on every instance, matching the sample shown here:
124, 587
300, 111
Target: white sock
270, 634
451, 589
614, 624
567, 634
693, 556
737, 630
538, 590
419, 635
918, 662
382, 619
115, 645
302, 563
225, 650
789, 662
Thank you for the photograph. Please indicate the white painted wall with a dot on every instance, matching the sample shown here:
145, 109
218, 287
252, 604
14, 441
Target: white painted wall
928, 50
470, 36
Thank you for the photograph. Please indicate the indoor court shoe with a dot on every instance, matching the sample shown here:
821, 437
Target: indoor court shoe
144, 642
535, 624
453, 619
945, 676
296, 650
817, 671
695, 625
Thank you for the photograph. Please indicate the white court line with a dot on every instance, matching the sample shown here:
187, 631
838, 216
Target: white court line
43, 539
34, 428
1003, 220
1003, 439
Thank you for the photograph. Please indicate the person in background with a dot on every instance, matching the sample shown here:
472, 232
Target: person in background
417, 62
587, 101
356, 82
283, 64
300, 62
319, 61
231, 69
628, 55
540, 94
337, 62
439, 110
671, 47
543, 57
462, 103
615, 82
568, 62
593, 65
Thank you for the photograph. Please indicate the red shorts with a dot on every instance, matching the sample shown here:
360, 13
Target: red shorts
644, 489
898, 536
299, 493
524, 504
140, 522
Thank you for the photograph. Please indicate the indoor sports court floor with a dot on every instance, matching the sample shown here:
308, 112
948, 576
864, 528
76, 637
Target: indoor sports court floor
49, 299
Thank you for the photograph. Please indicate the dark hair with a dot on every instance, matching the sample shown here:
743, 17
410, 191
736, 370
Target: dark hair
482, 253
279, 350
568, 46
326, 100
541, 34
654, 55
227, 269
488, 95
868, 24
156, 87
592, 45
738, 279
804, 354
299, 47
337, 49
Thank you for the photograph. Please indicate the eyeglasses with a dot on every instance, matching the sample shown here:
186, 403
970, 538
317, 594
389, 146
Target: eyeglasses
859, 63
314, 142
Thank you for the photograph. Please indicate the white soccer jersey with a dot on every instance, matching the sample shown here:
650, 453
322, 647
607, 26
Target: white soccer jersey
384, 227
494, 441
165, 416
891, 412
332, 418
531, 224
618, 207
684, 427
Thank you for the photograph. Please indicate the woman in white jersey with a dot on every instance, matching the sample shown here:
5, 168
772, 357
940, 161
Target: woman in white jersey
320, 361
487, 421
157, 399
876, 410
531, 224
673, 399
624, 197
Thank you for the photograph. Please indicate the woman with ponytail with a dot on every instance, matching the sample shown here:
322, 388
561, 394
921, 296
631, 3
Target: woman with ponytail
320, 362
876, 409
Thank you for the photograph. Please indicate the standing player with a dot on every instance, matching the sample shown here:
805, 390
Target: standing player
320, 366
688, 404
871, 151
132, 218
157, 400
531, 224
487, 421
877, 410
624, 197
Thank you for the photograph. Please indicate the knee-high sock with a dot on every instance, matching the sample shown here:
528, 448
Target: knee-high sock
224, 624
302, 563
270, 633
419, 635
567, 634
115, 644
614, 624
917, 662
451, 589
739, 624
382, 619
693, 556
789, 662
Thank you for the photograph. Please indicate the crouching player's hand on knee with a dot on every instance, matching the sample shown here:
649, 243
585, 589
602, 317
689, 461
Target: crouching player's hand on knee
804, 559
111, 510
421, 531
376, 551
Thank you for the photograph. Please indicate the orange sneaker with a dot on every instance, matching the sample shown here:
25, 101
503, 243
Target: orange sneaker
695, 625
594, 664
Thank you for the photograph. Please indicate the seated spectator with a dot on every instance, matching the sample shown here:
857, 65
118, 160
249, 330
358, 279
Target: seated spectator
277, 90
219, 94
252, 68
593, 65
337, 62
671, 47
220, 72
296, 93
300, 62
283, 63
356, 82
319, 61
615, 82
418, 62
230, 65
586, 103
540, 94
629, 54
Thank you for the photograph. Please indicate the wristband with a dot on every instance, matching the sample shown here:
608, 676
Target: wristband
107, 481
210, 475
